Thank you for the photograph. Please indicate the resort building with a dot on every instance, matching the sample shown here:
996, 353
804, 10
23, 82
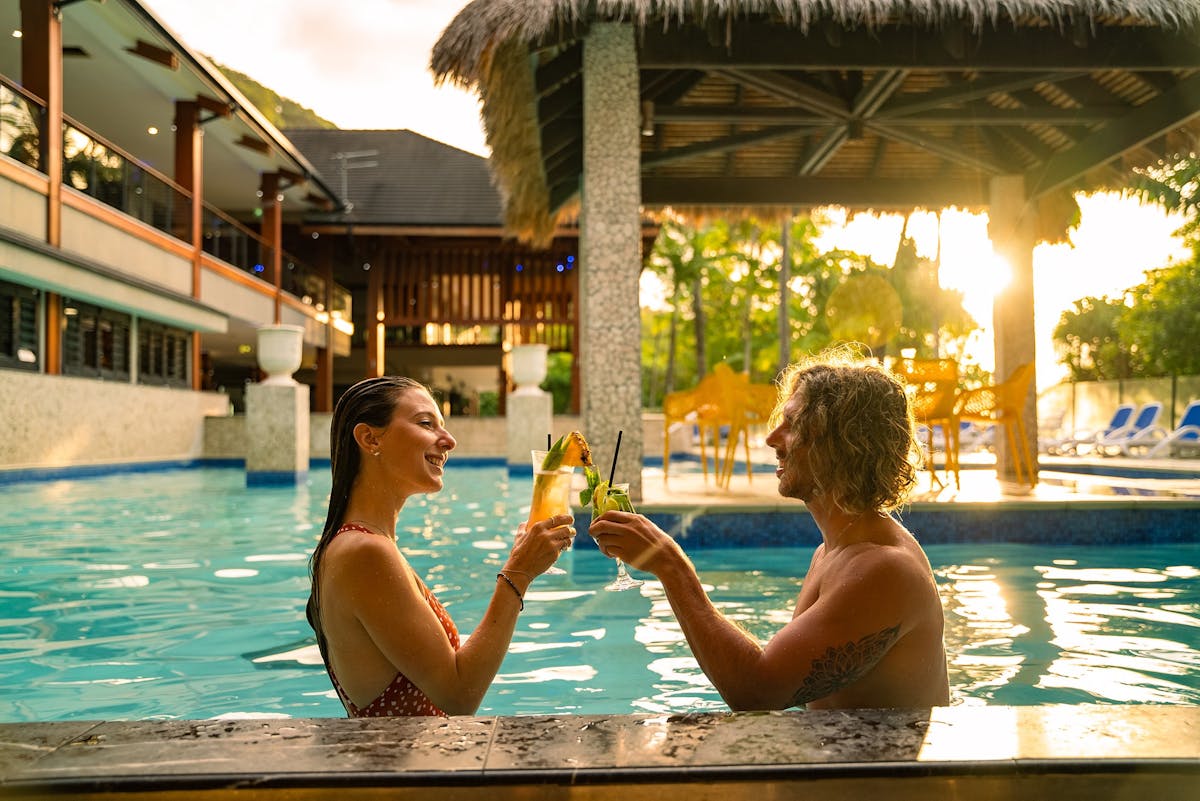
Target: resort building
152, 219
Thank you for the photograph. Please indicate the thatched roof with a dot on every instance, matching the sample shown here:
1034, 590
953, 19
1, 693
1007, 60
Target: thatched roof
869, 63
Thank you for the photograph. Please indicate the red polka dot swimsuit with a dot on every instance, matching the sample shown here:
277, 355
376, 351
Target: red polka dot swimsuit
401, 697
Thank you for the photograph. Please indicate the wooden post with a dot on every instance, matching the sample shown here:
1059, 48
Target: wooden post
41, 74
189, 174
324, 397
272, 232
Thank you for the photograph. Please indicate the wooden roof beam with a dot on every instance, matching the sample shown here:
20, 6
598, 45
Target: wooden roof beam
760, 45
967, 92
946, 150
790, 90
894, 193
1142, 125
562, 68
721, 145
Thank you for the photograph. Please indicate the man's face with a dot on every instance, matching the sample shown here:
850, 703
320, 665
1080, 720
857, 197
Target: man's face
795, 478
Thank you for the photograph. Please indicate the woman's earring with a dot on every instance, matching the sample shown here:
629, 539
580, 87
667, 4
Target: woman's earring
376, 453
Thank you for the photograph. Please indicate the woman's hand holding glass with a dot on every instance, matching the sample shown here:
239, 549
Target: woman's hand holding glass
536, 546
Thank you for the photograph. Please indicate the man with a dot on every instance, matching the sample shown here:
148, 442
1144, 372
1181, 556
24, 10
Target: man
867, 626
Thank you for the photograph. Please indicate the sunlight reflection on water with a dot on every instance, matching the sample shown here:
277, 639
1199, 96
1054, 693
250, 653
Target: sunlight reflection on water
182, 594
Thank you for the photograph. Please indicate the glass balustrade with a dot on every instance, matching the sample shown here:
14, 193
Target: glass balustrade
20, 125
104, 172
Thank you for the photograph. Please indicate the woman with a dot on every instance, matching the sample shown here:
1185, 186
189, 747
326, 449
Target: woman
389, 646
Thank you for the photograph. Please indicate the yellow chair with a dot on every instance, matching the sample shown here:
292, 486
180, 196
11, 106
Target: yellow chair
1003, 404
690, 407
722, 400
933, 389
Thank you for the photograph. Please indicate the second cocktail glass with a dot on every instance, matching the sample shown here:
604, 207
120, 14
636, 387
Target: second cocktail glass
618, 497
551, 494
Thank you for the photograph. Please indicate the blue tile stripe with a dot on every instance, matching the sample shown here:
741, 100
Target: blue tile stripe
1061, 524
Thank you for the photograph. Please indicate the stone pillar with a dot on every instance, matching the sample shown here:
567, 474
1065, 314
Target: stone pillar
610, 252
529, 414
277, 434
1012, 228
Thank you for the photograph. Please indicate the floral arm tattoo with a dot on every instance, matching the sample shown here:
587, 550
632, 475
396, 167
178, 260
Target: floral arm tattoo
843, 665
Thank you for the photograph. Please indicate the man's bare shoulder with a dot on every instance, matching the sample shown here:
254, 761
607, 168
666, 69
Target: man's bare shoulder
894, 562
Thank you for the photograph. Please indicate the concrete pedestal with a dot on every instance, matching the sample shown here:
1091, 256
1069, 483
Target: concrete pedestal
277, 434
529, 416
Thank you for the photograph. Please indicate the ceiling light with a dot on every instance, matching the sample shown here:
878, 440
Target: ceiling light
16, 34
152, 131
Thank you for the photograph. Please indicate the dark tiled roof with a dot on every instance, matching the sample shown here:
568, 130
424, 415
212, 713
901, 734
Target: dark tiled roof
415, 180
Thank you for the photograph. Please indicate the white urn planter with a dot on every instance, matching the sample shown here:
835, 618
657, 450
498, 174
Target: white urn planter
280, 351
529, 368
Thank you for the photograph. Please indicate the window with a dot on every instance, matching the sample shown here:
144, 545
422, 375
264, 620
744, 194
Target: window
18, 327
95, 341
163, 354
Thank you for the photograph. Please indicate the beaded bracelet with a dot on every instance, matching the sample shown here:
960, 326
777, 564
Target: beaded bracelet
508, 581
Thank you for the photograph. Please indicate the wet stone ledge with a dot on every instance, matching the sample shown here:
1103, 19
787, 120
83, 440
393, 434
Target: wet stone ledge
1067, 752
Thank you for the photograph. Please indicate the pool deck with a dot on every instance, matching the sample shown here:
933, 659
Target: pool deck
1062, 480
978, 752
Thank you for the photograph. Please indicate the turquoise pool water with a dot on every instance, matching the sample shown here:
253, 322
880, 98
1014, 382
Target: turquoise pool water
180, 594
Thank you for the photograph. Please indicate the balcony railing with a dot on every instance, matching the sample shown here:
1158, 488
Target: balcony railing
225, 238
105, 172
303, 281
20, 125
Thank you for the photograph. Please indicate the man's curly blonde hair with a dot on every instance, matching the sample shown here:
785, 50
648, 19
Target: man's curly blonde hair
855, 420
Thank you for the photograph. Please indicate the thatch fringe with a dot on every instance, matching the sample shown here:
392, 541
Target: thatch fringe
465, 46
487, 47
507, 91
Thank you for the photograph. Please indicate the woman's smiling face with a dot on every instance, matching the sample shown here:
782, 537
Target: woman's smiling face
415, 445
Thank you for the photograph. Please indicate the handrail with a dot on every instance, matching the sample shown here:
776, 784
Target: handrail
28, 95
95, 137
241, 228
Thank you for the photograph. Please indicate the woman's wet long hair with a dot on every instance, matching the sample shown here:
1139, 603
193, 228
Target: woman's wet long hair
371, 401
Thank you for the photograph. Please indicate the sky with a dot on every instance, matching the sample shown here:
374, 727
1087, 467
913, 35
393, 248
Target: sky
365, 64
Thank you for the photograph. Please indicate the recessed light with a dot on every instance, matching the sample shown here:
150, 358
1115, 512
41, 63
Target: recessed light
16, 34
152, 131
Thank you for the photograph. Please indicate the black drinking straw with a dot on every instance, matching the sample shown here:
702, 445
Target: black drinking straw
549, 444
613, 470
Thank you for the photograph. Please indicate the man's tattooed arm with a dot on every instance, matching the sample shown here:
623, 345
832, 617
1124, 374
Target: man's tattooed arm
844, 665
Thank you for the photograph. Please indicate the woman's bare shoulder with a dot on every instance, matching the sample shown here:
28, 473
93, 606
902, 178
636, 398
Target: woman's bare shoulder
358, 551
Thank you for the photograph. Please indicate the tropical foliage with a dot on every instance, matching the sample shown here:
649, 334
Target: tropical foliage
721, 283
1146, 332
279, 110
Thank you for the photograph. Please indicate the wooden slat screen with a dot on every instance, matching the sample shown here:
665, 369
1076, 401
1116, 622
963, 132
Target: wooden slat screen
524, 292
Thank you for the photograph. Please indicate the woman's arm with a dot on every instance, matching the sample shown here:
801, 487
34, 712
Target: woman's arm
385, 597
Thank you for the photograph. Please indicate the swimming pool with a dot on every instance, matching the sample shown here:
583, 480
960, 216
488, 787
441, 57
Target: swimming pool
180, 594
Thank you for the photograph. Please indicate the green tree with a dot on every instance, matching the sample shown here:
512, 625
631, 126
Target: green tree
280, 111
1162, 319
1175, 184
1089, 342
683, 256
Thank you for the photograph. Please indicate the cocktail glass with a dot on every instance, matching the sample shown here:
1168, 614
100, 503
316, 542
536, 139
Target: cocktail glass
619, 493
551, 494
